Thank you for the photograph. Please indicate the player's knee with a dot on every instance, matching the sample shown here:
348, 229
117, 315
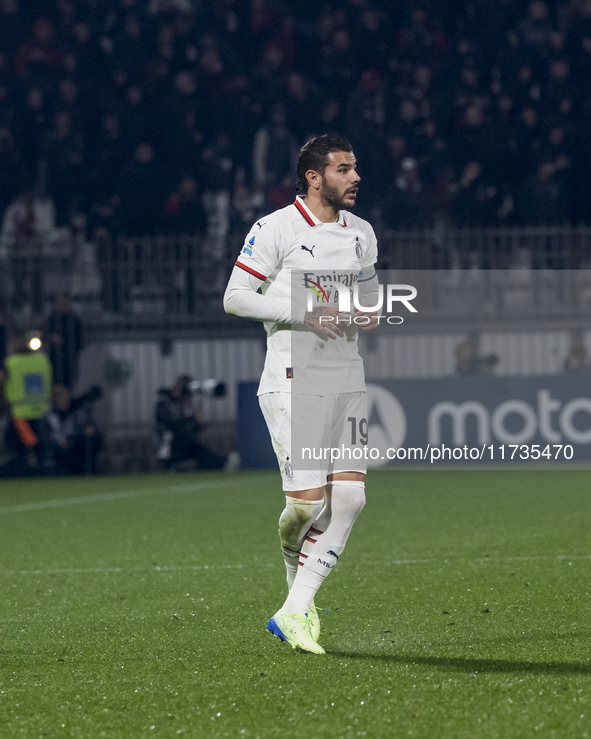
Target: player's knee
350, 495
357, 499
297, 517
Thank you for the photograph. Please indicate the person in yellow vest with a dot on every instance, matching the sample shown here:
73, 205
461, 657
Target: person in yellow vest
27, 378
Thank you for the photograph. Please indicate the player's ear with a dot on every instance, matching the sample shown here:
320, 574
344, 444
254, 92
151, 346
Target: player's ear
314, 179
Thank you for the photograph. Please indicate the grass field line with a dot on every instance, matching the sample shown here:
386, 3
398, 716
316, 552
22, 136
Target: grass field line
119, 495
127, 570
254, 568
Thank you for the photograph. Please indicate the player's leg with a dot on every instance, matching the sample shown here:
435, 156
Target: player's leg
300, 629
301, 510
295, 521
304, 499
347, 498
355, 497
302, 506
344, 501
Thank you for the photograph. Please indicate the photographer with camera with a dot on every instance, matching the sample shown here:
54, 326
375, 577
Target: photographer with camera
70, 439
179, 423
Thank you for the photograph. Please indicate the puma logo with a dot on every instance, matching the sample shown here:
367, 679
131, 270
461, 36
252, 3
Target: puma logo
259, 224
311, 249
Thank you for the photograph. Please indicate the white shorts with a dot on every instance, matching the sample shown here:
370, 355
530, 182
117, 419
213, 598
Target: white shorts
315, 436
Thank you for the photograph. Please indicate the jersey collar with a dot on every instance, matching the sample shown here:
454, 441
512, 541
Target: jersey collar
311, 218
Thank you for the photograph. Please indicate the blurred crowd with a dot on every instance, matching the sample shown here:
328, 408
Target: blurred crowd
152, 116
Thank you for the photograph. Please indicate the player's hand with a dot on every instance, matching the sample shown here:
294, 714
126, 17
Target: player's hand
325, 321
364, 324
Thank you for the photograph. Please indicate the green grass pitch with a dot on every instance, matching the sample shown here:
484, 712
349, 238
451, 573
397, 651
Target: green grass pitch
136, 607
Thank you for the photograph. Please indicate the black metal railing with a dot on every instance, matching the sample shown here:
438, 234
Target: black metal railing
172, 286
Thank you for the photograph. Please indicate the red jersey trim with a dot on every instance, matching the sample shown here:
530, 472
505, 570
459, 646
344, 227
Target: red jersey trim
303, 211
251, 271
306, 215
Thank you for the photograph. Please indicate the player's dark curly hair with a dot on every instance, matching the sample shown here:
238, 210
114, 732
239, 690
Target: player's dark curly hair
314, 155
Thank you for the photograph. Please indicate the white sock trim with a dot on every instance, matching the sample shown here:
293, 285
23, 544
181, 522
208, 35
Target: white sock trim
348, 483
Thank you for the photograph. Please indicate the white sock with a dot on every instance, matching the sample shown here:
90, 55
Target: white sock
347, 501
294, 522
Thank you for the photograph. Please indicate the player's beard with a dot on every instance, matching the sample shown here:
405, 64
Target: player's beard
332, 196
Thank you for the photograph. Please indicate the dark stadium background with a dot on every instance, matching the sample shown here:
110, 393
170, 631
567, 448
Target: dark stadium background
139, 139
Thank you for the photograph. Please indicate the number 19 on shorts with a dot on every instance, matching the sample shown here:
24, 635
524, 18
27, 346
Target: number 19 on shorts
358, 430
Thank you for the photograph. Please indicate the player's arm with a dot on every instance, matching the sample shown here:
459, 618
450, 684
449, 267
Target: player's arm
242, 299
369, 286
259, 257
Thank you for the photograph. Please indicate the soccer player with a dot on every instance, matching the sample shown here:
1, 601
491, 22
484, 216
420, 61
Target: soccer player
288, 274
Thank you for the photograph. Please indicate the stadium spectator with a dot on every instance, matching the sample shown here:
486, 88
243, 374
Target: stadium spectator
39, 55
477, 200
248, 205
365, 118
27, 221
135, 115
12, 25
24, 220
219, 169
85, 281
512, 68
406, 205
577, 359
181, 114
528, 138
422, 39
142, 189
502, 145
372, 36
107, 154
536, 28
110, 254
331, 118
471, 136
366, 106
9, 168
274, 154
31, 128
302, 104
66, 165
559, 85
183, 210
544, 199
84, 52
130, 46
63, 336
69, 437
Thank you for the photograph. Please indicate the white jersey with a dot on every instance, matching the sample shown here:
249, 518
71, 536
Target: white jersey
301, 261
